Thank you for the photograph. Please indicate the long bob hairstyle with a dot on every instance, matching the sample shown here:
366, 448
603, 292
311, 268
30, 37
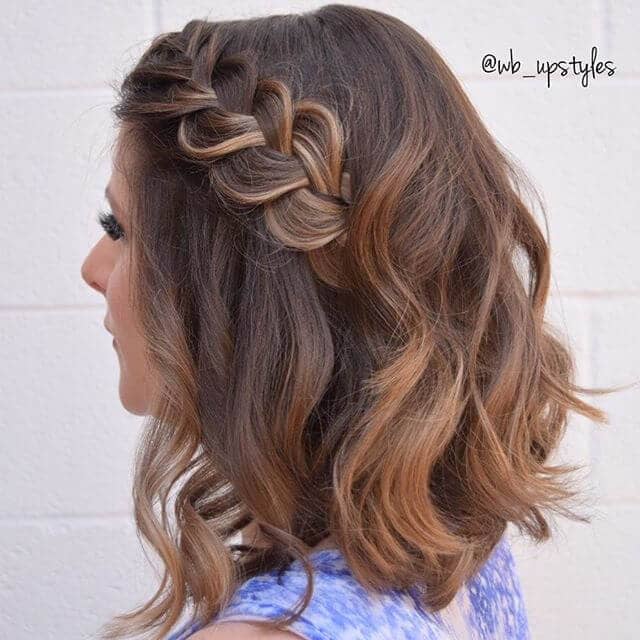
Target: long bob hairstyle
342, 287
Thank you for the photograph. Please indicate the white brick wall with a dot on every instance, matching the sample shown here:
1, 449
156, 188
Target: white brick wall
70, 556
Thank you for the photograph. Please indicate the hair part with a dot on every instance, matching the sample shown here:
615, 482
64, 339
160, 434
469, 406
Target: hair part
325, 245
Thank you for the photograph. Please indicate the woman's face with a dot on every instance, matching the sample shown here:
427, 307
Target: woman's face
106, 270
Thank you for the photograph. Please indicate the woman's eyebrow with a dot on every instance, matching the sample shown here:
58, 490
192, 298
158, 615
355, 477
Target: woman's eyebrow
110, 198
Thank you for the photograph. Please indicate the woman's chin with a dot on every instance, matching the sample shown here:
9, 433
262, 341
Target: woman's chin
132, 405
130, 397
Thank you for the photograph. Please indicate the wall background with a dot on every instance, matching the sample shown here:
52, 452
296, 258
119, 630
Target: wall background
70, 555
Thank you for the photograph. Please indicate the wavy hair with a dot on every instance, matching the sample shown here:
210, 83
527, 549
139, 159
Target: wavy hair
342, 289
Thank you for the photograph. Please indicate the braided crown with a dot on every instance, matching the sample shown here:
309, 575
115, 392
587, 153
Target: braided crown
291, 160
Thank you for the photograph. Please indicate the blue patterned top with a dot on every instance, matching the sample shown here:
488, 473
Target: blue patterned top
488, 606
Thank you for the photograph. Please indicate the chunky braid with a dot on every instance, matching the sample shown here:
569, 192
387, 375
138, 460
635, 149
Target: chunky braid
285, 155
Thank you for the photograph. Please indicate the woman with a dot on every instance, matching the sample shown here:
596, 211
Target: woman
327, 296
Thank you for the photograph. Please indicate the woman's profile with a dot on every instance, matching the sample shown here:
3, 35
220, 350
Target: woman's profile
327, 292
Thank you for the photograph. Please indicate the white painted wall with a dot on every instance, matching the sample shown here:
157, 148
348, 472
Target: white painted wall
70, 556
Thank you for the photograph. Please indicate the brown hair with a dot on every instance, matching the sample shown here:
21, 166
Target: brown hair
342, 289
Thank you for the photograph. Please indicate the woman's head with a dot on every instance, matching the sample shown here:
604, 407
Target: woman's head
339, 292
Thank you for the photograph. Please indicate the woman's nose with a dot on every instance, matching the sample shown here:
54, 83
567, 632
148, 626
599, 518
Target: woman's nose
95, 269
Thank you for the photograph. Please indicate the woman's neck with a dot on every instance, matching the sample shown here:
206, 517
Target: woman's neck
251, 536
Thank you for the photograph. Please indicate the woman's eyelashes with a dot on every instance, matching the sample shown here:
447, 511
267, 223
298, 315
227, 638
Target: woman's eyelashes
112, 227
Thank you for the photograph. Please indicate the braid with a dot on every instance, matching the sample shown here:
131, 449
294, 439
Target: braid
297, 151
282, 154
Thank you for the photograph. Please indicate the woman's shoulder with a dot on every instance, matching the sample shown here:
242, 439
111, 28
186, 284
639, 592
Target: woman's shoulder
341, 607
491, 604
241, 631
